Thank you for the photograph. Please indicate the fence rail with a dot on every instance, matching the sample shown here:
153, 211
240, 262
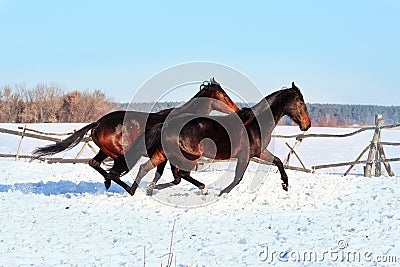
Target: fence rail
37, 136
46, 137
44, 133
303, 136
376, 155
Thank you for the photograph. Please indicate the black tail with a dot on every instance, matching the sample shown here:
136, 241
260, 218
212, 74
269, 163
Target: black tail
145, 145
65, 144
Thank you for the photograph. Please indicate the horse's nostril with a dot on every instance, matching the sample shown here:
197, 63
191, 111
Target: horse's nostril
305, 126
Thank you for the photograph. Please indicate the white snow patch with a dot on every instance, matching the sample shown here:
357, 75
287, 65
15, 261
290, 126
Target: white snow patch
60, 214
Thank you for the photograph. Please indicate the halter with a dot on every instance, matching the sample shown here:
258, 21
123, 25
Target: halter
246, 122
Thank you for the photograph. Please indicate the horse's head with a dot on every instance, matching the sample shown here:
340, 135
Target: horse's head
221, 101
297, 109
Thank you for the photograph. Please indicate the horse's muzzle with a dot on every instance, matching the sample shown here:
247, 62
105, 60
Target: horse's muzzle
304, 126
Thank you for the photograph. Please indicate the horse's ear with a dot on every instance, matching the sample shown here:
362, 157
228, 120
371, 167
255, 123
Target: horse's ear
213, 81
294, 86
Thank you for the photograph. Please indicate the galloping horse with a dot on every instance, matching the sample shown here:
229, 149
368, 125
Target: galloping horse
115, 132
242, 135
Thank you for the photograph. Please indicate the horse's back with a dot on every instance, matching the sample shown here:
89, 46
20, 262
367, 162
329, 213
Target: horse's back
213, 136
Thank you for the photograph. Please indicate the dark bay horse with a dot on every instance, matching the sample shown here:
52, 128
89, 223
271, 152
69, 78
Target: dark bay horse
115, 132
242, 135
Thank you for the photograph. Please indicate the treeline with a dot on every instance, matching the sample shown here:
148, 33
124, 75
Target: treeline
51, 103
349, 115
326, 115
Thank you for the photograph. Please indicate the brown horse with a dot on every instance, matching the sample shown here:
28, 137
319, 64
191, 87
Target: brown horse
242, 135
115, 132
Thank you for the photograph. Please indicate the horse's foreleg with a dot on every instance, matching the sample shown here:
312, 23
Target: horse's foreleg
95, 164
241, 167
268, 156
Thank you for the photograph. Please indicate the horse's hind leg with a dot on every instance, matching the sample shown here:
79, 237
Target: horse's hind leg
95, 164
176, 181
159, 172
97, 160
268, 156
156, 160
115, 177
178, 174
186, 175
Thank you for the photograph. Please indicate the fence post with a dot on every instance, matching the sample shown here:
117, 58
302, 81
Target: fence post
379, 121
383, 158
20, 143
92, 148
81, 151
378, 168
296, 145
297, 156
357, 159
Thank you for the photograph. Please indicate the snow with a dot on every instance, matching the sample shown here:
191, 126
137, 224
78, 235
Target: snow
60, 214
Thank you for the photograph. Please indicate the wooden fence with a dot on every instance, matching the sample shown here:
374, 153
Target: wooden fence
26, 132
376, 154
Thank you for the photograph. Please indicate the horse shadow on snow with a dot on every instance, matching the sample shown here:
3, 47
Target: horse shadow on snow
62, 187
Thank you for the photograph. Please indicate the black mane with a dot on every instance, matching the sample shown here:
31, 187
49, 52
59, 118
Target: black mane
212, 84
246, 115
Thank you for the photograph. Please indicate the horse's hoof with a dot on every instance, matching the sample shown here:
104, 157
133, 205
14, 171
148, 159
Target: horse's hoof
132, 190
285, 187
204, 191
107, 184
149, 189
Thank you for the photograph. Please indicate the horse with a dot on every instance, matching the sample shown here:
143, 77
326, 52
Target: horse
116, 132
244, 134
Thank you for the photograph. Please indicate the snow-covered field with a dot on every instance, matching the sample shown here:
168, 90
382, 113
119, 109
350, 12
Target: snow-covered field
60, 214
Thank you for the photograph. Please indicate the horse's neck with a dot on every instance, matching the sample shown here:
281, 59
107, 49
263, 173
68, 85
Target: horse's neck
268, 113
161, 115
246, 115
164, 111
274, 104
193, 106
278, 111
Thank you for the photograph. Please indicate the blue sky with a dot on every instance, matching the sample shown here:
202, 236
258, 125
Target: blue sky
336, 51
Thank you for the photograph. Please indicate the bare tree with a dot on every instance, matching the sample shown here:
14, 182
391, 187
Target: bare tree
50, 103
